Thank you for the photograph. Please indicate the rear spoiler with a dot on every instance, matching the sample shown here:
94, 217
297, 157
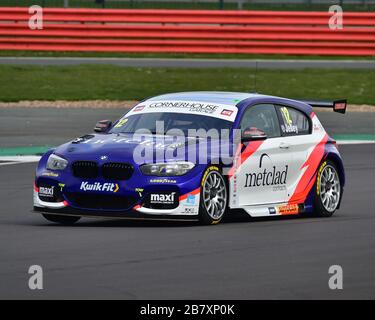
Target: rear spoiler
336, 105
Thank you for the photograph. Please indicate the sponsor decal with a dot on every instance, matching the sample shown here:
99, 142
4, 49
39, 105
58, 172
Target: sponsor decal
227, 112
190, 200
46, 192
163, 198
191, 210
140, 191
61, 185
272, 210
223, 111
163, 180
318, 178
104, 158
340, 105
138, 108
288, 209
289, 128
101, 187
50, 174
234, 195
191, 106
136, 141
279, 188
266, 177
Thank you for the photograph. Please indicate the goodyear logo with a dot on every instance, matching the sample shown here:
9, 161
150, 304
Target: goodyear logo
101, 187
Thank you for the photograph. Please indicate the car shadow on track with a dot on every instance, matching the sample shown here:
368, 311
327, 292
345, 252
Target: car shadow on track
233, 218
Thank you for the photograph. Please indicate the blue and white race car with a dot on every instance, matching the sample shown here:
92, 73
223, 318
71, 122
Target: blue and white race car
196, 155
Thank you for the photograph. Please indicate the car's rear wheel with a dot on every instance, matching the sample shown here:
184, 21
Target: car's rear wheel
214, 196
327, 189
65, 220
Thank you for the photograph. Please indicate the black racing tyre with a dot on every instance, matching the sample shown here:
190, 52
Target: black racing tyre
213, 197
65, 220
328, 189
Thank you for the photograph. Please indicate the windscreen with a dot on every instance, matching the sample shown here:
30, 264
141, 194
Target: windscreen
168, 121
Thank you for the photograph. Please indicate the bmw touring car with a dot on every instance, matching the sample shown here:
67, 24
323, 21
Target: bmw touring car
160, 160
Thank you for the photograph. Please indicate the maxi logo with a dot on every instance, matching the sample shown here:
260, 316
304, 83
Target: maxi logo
267, 176
46, 192
164, 198
101, 187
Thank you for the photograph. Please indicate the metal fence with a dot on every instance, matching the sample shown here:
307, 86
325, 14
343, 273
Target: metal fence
352, 5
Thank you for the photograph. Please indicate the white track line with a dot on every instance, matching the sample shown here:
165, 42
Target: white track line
355, 141
18, 159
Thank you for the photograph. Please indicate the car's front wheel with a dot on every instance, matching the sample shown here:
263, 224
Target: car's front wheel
327, 189
65, 220
214, 196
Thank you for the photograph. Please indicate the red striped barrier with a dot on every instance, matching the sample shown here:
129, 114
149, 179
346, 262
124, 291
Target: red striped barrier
206, 31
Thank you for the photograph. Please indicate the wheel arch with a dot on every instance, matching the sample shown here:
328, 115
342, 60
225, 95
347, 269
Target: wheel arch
223, 165
336, 159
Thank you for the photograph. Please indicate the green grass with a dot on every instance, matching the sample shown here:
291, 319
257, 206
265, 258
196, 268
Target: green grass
139, 4
88, 82
52, 54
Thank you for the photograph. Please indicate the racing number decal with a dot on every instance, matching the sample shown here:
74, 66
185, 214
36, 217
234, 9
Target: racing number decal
286, 115
121, 123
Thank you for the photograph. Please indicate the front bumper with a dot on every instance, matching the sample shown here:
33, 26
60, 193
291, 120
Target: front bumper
188, 207
62, 192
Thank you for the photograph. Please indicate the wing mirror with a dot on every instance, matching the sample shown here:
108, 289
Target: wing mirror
103, 126
251, 134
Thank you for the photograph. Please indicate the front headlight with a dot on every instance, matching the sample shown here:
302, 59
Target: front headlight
55, 162
167, 169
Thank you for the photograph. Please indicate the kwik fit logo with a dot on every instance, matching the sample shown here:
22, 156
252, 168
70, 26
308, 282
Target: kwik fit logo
267, 177
101, 187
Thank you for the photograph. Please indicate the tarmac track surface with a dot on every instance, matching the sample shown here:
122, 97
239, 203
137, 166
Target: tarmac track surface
195, 63
242, 258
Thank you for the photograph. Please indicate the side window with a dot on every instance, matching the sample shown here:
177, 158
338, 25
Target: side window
293, 122
262, 117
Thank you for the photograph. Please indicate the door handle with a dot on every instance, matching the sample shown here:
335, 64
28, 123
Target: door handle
284, 145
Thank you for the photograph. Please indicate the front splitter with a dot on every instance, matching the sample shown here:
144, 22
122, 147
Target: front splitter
129, 215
